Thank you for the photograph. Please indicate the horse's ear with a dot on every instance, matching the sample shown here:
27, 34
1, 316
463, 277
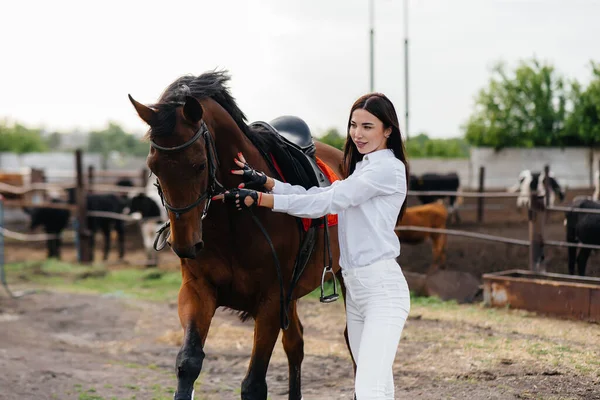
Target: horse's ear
145, 112
192, 110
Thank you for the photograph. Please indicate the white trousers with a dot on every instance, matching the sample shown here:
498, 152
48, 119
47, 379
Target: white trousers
377, 305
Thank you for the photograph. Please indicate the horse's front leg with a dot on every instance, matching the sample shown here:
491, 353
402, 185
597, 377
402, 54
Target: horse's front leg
266, 330
197, 305
293, 344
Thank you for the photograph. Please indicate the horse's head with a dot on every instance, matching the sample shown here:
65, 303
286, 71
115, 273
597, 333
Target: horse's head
183, 158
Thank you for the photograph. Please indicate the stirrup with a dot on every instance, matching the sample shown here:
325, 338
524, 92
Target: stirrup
334, 296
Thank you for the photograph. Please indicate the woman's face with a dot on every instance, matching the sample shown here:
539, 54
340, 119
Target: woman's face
367, 132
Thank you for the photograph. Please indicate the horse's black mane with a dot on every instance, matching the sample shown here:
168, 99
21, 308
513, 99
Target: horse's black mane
212, 85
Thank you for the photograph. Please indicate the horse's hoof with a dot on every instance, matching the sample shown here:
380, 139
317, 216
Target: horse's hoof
175, 397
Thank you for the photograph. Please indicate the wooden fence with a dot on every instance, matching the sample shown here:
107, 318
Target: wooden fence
538, 211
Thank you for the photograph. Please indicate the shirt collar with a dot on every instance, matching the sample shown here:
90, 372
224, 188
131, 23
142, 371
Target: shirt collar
378, 155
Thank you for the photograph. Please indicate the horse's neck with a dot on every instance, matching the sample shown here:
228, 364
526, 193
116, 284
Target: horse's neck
229, 141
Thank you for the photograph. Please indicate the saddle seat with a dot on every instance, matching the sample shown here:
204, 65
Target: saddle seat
295, 131
296, 157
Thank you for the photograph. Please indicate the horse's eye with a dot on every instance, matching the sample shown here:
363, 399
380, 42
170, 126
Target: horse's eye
201, 167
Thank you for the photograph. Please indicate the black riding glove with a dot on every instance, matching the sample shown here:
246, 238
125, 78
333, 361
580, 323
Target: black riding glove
238, 197
253, 179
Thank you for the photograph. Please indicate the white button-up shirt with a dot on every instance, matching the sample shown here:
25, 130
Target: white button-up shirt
368, 203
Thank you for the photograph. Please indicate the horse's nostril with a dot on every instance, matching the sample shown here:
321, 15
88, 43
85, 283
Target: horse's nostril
199, 246
186, 252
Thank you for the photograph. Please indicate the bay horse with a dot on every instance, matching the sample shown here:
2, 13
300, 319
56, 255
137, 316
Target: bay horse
196, 130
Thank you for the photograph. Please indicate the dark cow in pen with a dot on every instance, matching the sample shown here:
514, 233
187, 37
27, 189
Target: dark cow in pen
430, 182
54, 221
582, 228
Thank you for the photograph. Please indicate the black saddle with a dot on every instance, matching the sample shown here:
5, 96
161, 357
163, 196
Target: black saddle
295, 152
296, 131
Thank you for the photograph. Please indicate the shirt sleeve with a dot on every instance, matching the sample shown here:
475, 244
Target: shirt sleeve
286, 188
376, 180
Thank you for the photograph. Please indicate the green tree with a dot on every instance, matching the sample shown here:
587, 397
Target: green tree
526, 108
421, 146
114, 138
19, 139
333, 138
583, 124
53, 140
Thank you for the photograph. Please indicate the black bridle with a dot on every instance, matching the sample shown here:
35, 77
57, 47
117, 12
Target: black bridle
214, 186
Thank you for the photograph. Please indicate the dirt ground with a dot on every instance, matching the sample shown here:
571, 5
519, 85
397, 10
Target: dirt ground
73, 346
56, 345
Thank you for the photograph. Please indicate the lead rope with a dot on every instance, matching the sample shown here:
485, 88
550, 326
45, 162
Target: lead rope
284, 318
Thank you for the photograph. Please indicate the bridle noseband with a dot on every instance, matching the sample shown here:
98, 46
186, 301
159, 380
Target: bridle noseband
214, 186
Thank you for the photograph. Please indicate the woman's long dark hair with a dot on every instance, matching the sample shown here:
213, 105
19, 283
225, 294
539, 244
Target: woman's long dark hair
382, 108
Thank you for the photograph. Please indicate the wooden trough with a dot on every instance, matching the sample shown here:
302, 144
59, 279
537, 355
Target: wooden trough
547, 293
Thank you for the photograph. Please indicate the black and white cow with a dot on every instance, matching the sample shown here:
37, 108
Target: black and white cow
438, 182
582, 228
530, 181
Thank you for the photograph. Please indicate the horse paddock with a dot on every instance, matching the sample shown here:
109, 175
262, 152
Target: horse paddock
87, 335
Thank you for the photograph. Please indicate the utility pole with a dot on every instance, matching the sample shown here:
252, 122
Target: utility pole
406, 68
371, 42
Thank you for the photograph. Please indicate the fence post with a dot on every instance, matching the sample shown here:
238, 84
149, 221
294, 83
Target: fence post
2, 273
85, 255
598, 183
144, 177
536, 235
90, 177
546, 184
481, 190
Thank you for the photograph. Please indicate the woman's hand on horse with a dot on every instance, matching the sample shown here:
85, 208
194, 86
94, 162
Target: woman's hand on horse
253, 179
245, 198
240, 197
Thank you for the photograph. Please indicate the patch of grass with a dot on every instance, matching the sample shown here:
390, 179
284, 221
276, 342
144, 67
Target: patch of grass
161, 393
563, 349
538, 349
133, 365
431, 302
87, 396
138, 283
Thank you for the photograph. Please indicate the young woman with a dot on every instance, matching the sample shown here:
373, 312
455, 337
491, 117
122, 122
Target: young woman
368, 203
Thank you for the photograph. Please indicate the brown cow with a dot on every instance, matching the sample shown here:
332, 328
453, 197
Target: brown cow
432, 215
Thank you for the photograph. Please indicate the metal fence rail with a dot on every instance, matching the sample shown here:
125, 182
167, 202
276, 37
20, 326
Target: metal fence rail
494, 238
463, 194
453, 232
573, 209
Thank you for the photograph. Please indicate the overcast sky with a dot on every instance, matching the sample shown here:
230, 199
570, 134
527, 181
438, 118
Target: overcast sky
70, 64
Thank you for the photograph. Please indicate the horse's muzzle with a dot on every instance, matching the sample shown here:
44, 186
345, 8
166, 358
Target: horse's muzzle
188, 252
